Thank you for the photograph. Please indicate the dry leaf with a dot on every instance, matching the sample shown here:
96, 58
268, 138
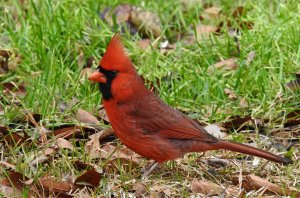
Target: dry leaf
8, 165
215, 130
8, 191
230, 93
12, 88
212, 13
139, 189
56, 187
62, 143
218, 163
253, 182
294, 84
89, 178
209, 188
86, 117
227, 64
250, 57
203, 31
238, 12
85, 73
144, 43
148, 23
92, 147
103, 115
244, 103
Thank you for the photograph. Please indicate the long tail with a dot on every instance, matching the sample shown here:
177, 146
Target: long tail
241, 148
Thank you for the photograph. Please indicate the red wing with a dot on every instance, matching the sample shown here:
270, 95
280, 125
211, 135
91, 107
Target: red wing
161, 119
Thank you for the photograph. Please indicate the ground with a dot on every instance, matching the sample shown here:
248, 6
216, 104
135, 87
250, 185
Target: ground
234, 67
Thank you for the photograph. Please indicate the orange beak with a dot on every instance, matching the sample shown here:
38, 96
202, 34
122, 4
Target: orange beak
97, 76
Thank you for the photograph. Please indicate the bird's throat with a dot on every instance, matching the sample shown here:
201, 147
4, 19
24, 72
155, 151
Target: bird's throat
105, 89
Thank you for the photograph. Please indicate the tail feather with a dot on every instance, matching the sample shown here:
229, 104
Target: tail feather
241, 148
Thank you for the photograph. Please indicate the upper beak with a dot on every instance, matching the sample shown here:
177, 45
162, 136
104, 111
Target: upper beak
97, 76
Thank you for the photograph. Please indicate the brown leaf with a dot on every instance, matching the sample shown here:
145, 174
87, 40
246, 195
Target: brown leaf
12, 88
43, 156
209, 188
227, 64
218, 163
244, 103
8, 165
8, 191
253, 182
215, 130
66, 132
62, 143
250, 57
139, 189
85, 73
4, 55
56, 187
294, 84
11, 138
17, 179
144, 43
203, 31
236, 122
238, 12
148, 23
103, 115
81, 165
86, 117
212, 13
116, 153
89, 178
230, 93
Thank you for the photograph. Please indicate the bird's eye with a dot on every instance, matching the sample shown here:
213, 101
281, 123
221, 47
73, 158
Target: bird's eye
113, 73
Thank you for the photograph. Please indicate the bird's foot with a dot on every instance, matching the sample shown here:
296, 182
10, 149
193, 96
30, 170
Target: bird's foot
148, 172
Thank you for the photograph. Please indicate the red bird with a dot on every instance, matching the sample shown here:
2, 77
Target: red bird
147, 125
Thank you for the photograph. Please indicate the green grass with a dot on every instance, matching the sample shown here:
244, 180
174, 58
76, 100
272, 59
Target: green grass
50, 35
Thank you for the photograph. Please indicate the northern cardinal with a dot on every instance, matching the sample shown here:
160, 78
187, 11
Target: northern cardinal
147, 125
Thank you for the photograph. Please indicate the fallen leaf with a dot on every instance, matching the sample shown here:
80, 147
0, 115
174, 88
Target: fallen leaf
89, 178
17, 179
218, 163
92, 147
209, 188
230, 93
43, 156
81, 165
238, 12
85, 73
56, 187
215, 130
253, 182
144, 43
12, 88
8, 165
203, 31
103, 115
62, 143
244, 103
227, 64
86, 117
139, 189
147, 22
212, 13
294, 84
250, 57
8, 191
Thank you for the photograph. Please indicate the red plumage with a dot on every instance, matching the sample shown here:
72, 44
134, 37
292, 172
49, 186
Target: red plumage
147, 125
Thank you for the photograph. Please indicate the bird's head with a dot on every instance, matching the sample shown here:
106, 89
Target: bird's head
115, 71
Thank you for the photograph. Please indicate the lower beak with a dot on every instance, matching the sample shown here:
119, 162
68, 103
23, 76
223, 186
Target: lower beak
97, 76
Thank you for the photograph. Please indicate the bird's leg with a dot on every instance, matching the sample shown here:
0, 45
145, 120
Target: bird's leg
147, 172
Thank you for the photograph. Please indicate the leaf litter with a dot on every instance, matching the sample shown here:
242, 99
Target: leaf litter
87, 131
